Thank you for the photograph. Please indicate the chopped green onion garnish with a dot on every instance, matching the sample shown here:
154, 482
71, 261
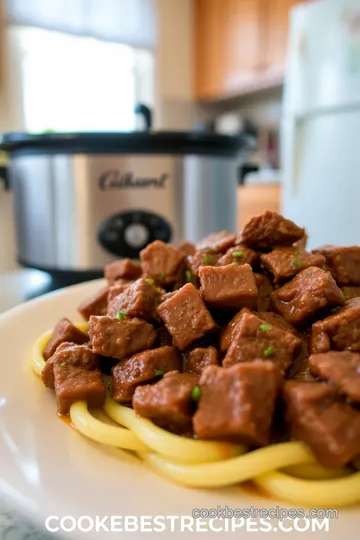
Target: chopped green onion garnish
207, 259
196, 393
189, 276
63, 364
269, 351
159, 372
265, 327
162, 276
121, 315
149, 281
158, 289
233, 264
238, 254
335, 309
297, 263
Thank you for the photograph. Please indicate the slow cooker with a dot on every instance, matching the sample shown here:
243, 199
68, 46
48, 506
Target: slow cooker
84, 199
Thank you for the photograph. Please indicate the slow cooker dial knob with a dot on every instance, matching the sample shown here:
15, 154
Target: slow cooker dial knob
127, 233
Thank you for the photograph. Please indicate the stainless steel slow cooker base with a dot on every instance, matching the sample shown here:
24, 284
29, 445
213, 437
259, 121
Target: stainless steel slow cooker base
79, 212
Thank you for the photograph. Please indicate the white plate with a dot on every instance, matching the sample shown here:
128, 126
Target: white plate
46, 468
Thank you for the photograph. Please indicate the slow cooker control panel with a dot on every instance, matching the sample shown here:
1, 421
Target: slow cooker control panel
127, 233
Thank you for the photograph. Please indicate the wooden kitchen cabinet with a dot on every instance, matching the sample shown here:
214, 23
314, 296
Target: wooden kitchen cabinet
276, 34
240, 46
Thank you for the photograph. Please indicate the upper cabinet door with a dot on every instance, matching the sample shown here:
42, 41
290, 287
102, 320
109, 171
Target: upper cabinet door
277, 29
243, 41
228, 41
209, 47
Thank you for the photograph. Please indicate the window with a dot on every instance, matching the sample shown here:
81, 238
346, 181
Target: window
76, 83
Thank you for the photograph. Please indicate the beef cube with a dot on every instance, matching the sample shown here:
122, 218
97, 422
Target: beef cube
329, 427
273, 319
197, 359
218, 242
341, 368
310, 291
229, 287
137, 300
95, 305
199, 259
350, 291
339, 331
69, 353
230, 330
237, 404
167, 295
186, 316
161, 262
239, 254
63, 331
168, 403
119, 287
285, 263
123, 268
74, 383
300, 245
256, 340
265, 289
142, 367
342, 262
270, 230
187, 247
278, 321
163, 337
119, 338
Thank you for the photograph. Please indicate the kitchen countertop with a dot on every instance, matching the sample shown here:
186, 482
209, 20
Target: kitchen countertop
17, 287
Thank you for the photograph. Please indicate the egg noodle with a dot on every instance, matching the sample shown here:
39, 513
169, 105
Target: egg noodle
286, 470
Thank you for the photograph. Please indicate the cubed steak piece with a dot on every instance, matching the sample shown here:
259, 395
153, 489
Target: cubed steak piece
273, 319
161, 262
186, 317
258, 340
119, 338
285, 263
186, 247
123, 268
239, 254
342, 262
118, 287
270, 230
137, 300
63, 331
229, 287
74, 383
265, 289
218, 242
310, 291
168, 403
69, 354
199, 259
142, 367
230, 330
328, 426
197, 359
339, 331
237, 404
341, 368
350, 291
95, 305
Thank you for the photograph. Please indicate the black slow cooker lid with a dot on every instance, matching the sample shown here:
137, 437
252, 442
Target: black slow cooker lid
147, 142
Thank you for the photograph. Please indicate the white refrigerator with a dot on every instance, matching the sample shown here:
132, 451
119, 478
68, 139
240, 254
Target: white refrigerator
321, 122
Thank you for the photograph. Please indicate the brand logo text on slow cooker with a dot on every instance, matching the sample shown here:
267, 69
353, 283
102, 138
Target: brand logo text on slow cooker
114, 179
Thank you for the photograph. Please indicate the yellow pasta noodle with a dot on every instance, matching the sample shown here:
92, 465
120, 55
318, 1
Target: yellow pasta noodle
286, 470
